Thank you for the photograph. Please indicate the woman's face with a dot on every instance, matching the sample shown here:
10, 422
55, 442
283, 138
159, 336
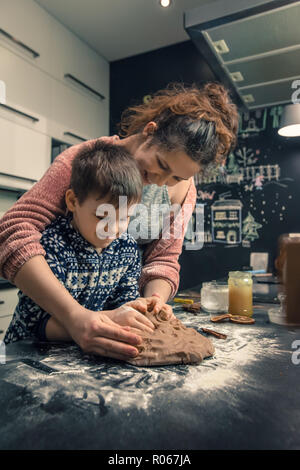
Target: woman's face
159, 166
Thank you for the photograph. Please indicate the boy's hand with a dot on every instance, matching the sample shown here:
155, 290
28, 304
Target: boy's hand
128, 315
153, 303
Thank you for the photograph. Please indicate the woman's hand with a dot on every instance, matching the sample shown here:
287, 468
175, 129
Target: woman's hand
97, 333
153, 303
113, 139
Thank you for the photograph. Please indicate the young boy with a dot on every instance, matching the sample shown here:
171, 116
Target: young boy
100, 273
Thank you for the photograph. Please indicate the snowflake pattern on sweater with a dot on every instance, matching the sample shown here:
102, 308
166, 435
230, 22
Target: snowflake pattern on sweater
98, 281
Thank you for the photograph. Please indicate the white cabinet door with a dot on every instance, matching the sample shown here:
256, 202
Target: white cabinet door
75, 113
88, 67
59, 108
23, 152
60, 51
29, 24
28, 90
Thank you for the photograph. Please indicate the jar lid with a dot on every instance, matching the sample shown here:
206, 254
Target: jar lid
240, 274
215, 285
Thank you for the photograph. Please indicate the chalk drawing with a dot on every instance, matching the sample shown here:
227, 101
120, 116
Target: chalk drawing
258, 182
250, 227
253, 122
226, 214
276, 112
205, 194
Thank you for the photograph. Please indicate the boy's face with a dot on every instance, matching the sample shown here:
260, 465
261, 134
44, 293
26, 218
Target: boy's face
98, 226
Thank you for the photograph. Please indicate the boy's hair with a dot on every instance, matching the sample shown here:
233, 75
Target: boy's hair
108, 171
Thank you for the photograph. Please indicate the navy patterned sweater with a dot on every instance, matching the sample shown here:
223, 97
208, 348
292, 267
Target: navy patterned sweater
98, 281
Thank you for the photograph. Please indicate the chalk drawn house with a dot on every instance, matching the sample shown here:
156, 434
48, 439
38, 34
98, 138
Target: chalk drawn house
226, 221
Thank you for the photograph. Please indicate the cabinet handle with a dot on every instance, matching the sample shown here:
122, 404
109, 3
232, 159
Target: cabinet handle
19, 43
14, 110
79, 82
75, 136
22, 178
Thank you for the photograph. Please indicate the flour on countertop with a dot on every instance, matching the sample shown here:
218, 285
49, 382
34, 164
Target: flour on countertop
88, 379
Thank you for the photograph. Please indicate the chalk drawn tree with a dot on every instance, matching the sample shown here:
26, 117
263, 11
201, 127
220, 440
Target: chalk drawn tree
246, 156
250, 228
232, 167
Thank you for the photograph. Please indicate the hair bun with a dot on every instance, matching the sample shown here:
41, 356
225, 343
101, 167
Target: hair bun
219, 98
218, 95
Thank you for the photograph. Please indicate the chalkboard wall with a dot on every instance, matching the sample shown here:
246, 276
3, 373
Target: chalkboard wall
247, 207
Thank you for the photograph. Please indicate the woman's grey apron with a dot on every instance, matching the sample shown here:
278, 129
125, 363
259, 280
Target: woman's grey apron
146, 225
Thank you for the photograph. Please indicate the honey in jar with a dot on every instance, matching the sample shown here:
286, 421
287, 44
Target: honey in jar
240, 293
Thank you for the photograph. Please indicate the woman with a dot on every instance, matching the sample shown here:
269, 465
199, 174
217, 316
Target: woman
172, 137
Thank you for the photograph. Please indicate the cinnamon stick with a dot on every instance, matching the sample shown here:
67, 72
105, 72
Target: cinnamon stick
214, 333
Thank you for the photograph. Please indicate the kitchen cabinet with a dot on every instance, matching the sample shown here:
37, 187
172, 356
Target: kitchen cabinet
56, 87
10, 298
29, 24
28, 91
71, 56
60, 52
57, 108
24, 153
72, 113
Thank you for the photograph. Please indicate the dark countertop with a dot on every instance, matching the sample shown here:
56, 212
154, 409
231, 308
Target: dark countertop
245, 397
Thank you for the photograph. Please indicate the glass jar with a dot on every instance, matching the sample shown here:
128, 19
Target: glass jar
240, 293
214, 297
283, 241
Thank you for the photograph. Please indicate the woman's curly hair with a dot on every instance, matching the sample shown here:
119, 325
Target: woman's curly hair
201, 121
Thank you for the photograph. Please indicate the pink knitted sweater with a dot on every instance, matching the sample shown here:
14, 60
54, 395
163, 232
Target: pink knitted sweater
21, 226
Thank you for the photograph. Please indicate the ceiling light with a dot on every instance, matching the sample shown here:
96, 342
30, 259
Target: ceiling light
290, 121
165, 3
